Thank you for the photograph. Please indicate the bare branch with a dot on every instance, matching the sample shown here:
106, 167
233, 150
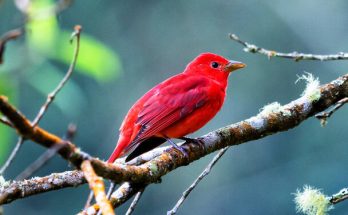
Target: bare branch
52, 95
12, 156
25, 129
50, 98
111, 190
339, 197
71, 132
89, 200
134, 202
196, 182
4, 121
47, 155
10, 35
39, 162
21, 189
293, 55
97, 185
323, 116
120, 196
281, 119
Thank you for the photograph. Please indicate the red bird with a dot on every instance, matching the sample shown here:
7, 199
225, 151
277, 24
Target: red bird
176, 107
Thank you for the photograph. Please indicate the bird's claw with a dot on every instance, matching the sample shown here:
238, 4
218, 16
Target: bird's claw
198, 141
179, 148
182, 150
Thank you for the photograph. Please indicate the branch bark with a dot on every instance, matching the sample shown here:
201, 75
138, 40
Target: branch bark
282, 119
292, 55
339, 197
96, 184
22, 189
120, 196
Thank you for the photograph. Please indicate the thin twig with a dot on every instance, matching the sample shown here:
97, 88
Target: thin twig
89, 200
97, 185
5, 121
123, 193
50, 98
52, 95
196, 182
10, 35
111, 190
39, 162
339, 197
292, 55
134, 202
47, 155
70, 132
323, 116
12, 155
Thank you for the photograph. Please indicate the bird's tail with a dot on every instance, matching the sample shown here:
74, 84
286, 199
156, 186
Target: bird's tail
115, 154
119, 149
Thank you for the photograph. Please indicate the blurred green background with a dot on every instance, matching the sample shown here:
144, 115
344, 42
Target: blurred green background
129, 46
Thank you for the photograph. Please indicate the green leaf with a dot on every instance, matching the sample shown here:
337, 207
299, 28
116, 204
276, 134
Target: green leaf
95, 59
42, 26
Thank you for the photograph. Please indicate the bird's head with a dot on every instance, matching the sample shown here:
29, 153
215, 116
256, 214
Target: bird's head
213, 66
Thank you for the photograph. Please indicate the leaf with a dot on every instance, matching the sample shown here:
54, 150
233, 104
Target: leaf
95, 59
42, 26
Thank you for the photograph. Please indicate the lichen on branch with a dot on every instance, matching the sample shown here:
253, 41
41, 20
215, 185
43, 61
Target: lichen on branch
283, 118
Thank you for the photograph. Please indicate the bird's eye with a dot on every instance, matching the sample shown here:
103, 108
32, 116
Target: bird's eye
214, 65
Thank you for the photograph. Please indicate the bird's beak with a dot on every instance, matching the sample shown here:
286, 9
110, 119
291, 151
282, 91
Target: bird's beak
234, 65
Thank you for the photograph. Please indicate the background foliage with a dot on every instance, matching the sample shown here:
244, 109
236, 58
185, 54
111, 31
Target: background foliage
129, 46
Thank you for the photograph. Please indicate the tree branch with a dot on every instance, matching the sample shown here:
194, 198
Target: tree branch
339, 197
96, 184
22, 189
323, 116
13, 34
293, 55
120, 196
264, 124
46, 156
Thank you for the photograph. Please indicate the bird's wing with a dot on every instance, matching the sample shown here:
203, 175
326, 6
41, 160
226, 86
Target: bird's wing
168, 105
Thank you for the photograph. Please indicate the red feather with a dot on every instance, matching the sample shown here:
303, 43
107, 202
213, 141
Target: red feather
178, 106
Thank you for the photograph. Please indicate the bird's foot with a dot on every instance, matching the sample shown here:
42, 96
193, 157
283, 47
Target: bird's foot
179, 148
198, 141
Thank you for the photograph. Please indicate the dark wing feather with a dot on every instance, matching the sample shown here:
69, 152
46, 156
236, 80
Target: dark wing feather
145, 146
